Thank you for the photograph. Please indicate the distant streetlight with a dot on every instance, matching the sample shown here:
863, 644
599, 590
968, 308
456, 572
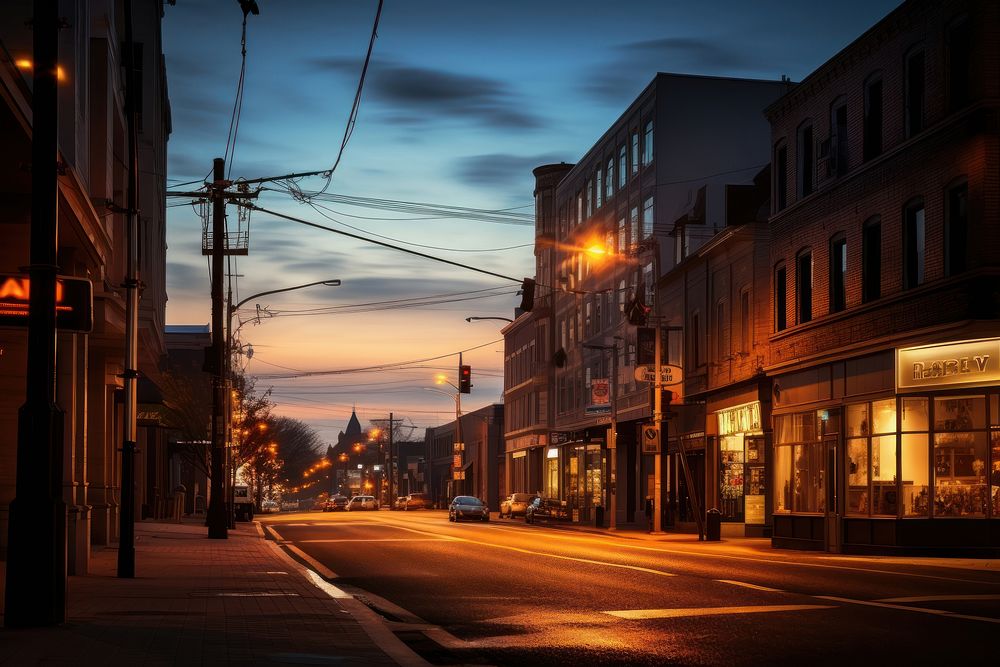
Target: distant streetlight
505, 319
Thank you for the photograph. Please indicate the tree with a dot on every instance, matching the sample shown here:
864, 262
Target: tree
187, 403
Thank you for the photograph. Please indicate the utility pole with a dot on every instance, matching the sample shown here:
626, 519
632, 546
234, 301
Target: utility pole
35, 591
392, 481
126, 528
217, 520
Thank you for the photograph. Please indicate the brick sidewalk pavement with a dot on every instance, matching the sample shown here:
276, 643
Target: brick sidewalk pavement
196, 601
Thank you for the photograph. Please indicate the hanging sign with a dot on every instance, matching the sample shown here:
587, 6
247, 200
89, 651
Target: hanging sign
74, 302
669, 374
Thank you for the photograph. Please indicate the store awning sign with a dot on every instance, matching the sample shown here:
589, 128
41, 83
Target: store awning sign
740, 419
74, 302
969, 363
650, 438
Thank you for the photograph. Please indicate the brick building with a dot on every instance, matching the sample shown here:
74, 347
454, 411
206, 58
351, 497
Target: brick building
885, 289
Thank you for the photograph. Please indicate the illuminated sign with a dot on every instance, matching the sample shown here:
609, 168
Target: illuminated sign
971, 362
740, 419
74, 302
553, 453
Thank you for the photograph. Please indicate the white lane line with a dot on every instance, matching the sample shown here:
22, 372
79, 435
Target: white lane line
326, 572
327, 587
899, 607
642, 614
936, 598
753, 586
507, 547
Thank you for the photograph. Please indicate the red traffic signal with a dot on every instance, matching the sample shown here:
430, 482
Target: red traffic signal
465, 379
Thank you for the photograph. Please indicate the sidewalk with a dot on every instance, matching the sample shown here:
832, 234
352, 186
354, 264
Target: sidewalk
197, 601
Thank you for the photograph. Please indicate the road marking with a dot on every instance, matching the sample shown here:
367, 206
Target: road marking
327, 587
374, 539
753, 586
900, 607
935, 598
642, 614
256, 595
274, 534
326, 572
576, 559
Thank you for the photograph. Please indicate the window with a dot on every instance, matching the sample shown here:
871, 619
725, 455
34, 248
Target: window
647, 218
806, 161
960, 456
622, 236
956, 229
622, 167
696, 339
780, 299
913, 244
871, 260
647, 144
746, 317
799, 461
635, 153
579, 207
803, 286
914, 93
634, 223
590, 199
600, 190
609, 185
781, 179
959, 63
838, 274
838, 137
721, 339
872, 129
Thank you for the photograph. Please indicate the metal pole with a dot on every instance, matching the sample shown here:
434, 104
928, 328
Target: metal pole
392, 480
35, 591
658, 420
613, 440
458, 420
230, 442
126, 530
217, 523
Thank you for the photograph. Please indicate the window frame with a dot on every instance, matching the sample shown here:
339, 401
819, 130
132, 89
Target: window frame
838, 272
871, 286
804, 300
780, 295
805, 159
914, 252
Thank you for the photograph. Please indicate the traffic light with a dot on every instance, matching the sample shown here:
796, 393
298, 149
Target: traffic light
465, 379
527, 294
636, 311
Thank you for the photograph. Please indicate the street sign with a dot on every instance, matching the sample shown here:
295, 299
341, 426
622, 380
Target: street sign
669, 374
74, 302
558, 437
597, 409
456, 461
650, 439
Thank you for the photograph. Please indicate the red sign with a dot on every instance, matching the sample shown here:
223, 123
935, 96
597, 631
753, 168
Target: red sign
457, 461
74, 302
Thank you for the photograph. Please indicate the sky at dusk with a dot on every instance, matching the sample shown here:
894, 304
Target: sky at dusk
462, 100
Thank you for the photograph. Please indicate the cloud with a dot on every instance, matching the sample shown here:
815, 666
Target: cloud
418, 95
500, 169
186, 276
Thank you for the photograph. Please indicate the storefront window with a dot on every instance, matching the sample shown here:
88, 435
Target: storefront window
959, 474
783, 479
995, 475
808, 479
731, 477
857, 474
857, 419
913, 463
959, 413
915, 414
884, 416
884, 474
551, 478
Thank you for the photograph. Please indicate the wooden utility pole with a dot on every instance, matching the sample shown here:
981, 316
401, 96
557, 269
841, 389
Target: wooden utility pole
218, 522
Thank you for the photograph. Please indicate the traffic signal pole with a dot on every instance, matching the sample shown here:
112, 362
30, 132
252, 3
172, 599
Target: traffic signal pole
218, 522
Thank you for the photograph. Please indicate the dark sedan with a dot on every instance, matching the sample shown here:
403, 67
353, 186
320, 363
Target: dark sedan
546, 509
468, 507
335, 504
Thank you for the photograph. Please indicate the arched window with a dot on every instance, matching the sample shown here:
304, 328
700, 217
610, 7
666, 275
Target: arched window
804, 286
838, 272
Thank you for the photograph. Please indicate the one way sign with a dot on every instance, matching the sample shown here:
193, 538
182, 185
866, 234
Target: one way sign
650, 439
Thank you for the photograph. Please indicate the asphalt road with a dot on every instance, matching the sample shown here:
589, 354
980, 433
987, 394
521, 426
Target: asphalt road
505, 593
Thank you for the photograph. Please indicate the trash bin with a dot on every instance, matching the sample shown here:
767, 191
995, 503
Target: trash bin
713, 526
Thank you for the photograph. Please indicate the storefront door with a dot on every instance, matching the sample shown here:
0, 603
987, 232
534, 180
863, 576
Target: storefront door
833, 524
585, 482
756, 484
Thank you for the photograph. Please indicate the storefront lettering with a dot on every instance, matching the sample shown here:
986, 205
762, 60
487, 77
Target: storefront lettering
944, 367
741, 419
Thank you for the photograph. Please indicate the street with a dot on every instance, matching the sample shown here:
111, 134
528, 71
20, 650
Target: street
506, 593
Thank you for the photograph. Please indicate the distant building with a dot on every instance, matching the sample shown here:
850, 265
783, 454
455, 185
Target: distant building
472, 469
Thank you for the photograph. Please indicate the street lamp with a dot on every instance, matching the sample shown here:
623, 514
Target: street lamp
504, 319
219, 493
459, 445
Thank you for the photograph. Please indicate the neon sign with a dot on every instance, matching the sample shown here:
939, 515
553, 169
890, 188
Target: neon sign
74, 302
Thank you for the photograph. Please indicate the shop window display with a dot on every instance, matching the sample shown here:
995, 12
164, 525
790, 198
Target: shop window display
800, 468
913, 463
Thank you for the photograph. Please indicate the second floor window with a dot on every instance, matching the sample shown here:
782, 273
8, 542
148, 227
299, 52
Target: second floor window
913, 245
804, 286
647, 218
635, 153
838, 138
599, 191
634, 223
622, 167
914, 93
806, 166
590, 198
871, 260
609, 186
956, 238
780, 299
838, 274
872, 128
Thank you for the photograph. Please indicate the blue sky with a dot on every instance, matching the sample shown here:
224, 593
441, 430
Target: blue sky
462, 100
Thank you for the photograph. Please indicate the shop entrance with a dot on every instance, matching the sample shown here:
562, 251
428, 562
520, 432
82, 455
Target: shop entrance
584, 481
832, 521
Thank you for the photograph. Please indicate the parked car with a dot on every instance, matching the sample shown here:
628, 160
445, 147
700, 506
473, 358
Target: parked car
289, 505
545, 509
335, 504
418, 501
468, 507
362, 503
400, 503
269, 507
515, 504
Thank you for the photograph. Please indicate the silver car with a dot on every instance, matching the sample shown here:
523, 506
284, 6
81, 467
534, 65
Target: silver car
515, 504
362, 503
468, 507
